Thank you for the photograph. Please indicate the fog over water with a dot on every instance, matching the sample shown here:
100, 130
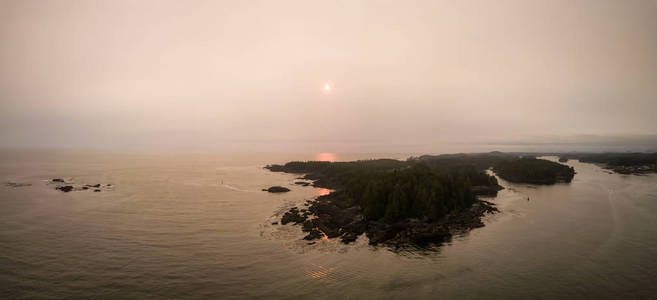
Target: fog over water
404, 76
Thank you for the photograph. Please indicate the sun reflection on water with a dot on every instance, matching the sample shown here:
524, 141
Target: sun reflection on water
326, 156
319, 272
323, 191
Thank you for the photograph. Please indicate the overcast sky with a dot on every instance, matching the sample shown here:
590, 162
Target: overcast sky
404, 76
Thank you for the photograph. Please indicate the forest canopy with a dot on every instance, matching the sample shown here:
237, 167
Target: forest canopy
428, 187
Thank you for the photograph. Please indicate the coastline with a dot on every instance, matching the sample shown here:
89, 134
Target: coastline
332, 216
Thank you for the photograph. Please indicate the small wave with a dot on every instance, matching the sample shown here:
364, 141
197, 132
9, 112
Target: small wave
234, 188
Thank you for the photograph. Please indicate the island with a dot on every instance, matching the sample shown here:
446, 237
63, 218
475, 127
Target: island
420, 200
534, 171
637, 163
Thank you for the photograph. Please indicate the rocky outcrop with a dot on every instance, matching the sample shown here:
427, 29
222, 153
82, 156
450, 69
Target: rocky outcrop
65, 188
293, 216
333, 217
277, 189
70, 186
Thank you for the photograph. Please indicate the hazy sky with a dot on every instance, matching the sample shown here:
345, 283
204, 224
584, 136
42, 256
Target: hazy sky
405, 76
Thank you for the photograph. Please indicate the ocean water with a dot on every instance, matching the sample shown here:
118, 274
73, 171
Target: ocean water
190, 226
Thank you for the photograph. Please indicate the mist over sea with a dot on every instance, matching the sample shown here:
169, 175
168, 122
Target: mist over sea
191, 226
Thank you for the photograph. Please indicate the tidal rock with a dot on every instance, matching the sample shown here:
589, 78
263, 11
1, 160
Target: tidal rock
277, 189
57, 180
65, 188
292, 216
313, 235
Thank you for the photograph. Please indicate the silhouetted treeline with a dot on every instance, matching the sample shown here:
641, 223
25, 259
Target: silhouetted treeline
393, 189
615, 159
427, 186
532, 170
624, 163
415, 191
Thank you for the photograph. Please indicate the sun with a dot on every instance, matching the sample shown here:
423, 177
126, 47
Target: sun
327, 87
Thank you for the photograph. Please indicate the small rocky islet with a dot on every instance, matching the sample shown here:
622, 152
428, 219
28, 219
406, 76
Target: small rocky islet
64, 186
68, 187
276, 189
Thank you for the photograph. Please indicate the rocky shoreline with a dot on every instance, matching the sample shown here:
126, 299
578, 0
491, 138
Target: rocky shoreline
632, 170
331, 216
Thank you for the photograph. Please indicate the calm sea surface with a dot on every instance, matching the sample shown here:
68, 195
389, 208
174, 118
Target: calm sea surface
199, 226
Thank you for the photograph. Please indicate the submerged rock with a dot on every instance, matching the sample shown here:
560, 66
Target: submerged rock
17, 185
277, 189
57, 180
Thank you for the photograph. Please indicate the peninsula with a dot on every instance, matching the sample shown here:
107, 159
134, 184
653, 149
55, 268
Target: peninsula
420, 200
